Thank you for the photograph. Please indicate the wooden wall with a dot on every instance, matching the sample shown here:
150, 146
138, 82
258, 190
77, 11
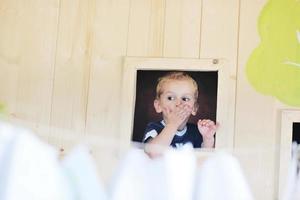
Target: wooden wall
61, 69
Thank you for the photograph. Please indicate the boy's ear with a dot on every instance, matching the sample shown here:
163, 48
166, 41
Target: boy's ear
195, 109
157, 106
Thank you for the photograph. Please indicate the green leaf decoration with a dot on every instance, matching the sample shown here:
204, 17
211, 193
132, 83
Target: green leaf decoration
274, 66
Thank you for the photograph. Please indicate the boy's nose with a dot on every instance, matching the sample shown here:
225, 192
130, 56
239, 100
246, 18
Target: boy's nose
178, 102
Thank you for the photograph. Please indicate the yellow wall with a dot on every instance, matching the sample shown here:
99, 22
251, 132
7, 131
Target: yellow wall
61, 68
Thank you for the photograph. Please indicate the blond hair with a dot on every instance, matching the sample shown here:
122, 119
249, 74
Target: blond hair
177, 75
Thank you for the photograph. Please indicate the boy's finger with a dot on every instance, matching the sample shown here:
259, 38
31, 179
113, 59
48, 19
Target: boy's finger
203, 122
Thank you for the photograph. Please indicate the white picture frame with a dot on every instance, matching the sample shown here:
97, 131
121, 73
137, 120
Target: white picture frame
288, 118
225, 95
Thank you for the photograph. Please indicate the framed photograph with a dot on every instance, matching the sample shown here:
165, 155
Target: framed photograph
140, 77
290, 132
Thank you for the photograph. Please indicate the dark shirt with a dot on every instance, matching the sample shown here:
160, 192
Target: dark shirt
190, 134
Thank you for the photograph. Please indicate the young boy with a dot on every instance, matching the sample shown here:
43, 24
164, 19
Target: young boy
176, 99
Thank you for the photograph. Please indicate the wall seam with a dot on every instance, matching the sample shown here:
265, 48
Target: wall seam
126, 51
200, 32
54, 65
236, 71
89, 64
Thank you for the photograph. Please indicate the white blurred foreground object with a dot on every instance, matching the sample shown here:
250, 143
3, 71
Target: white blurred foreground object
170, 177
31, 170
138, 178
221, 178
180, 165
82, 175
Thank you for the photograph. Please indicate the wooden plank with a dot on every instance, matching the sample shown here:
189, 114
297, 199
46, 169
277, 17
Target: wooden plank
146, 28
109, 47
255, 113
219, 35
182, 28
27, 51
246, 112
103, 110
219, 39
138, 28
72, 69
157, 23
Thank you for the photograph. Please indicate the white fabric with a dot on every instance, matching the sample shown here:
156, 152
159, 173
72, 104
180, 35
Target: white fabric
180, 167
82, 175
221, 178
29, 168
139, 178
170, 177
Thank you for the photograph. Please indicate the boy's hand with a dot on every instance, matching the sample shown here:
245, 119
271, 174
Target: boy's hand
178, 115
208, 129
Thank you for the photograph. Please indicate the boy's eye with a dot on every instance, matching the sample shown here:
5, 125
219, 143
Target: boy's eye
170, 98
185, 99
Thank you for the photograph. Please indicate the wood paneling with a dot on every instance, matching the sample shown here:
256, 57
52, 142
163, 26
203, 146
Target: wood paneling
219, 39
182, 28
103, 108
27, 53
72, 69
255, 113
61, 68
146, 28
109, 47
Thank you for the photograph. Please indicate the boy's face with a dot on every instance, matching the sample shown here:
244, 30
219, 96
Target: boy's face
176, 93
